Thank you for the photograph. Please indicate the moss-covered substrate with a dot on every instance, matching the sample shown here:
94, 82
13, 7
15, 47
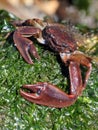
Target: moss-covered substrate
18, 114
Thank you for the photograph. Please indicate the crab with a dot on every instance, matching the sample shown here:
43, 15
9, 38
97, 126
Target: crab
61, 41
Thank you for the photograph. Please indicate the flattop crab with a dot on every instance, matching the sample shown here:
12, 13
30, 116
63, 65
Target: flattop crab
62, 42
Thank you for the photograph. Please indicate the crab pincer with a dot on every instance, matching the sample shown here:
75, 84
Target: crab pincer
48, 95
24, 45
44, 93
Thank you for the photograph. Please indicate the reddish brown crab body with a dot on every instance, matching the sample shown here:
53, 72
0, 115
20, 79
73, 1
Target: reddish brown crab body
62, 41
58, 39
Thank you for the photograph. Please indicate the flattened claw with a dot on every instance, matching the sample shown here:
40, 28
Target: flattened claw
25, 46
48, 95
35, 89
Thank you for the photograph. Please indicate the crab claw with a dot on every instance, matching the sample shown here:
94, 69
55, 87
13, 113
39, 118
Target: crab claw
48, 95
25, 46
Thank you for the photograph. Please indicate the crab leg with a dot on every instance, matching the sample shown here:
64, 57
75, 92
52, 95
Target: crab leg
24, 45
44, 93
75, 79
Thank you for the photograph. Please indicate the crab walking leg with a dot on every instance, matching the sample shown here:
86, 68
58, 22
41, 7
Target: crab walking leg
44, 93
29, 22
